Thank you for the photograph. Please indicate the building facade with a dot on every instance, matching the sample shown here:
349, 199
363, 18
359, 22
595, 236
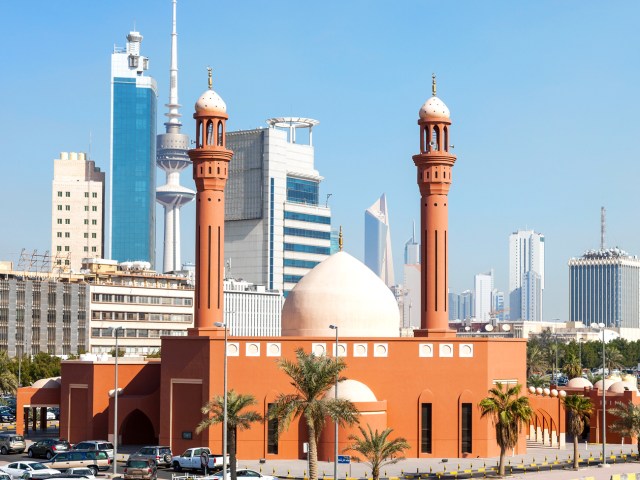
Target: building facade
276, 227
252, 310
483, 287
77, 211
526, 291
604, 287
133, 155
377, 241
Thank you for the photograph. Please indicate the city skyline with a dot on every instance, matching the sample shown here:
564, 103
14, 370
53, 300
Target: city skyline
518, 166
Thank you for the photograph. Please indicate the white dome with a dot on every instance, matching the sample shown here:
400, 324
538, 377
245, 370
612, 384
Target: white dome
620, 387
211, 102
579, 382
352, 390
434, 109
340, 291
52, 382
607, 383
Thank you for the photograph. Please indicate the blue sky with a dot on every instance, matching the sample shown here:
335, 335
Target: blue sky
543, 97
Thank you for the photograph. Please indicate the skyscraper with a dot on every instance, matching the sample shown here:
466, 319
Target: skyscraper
77, 211
526, 290
377, 241
483, 286
172, 149
412, 249
276, 228
411, 282
133, 155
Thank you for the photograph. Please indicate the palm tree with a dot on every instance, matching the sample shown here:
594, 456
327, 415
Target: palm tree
593, 377
378, 451
312, 377
509, 412
614, 358
537, 380
572, 367
536, 360
8, 379
579, 409
627, 422
236, 419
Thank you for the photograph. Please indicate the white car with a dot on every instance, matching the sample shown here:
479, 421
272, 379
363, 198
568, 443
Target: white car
245, 474
85, 472
30, 468
51, 415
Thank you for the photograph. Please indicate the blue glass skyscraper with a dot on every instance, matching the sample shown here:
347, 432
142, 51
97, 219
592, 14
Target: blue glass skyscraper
133, 155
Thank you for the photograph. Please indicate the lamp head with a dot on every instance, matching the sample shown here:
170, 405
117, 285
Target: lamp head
220, 324
333, 327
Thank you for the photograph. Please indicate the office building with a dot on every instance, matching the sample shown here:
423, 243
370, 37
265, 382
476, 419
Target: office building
483, 286
604, 287
133, 155
276, 227
172, 158
377, 241
252, 310
498, 306
411, 283
77, 211
412, 249
526, 290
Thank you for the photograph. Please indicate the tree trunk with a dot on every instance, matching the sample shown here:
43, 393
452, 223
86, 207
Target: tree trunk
313, 452
501, 466
375, 472
231, 440
576, 462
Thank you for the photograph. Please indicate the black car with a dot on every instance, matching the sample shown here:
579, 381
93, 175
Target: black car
48, 447
6, 417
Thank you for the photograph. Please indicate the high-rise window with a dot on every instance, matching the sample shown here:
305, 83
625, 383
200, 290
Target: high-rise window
426, 432
94, 195
67, 208
67, 194
302, 191
467, 430
59, 207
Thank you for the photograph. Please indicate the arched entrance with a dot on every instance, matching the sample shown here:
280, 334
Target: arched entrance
137, 429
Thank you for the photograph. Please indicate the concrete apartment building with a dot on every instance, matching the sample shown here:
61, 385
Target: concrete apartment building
77, 211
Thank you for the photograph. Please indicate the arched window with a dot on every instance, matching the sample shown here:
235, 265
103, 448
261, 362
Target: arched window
210, 133
435, 138
198, 134
220, 134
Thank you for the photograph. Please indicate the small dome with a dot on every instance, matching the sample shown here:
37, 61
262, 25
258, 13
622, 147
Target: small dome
621, 387
607, 383
579, 382
210, 102
340, 291
352, 390
52, 382
434, 109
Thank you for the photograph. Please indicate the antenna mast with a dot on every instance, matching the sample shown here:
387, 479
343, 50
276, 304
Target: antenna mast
603, 226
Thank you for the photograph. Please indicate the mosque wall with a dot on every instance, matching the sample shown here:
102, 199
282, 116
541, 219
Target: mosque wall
403, 373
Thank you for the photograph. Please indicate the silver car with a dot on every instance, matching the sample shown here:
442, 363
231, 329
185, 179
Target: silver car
10, 443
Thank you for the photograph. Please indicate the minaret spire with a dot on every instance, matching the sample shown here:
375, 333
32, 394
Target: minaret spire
433, 84
173, 125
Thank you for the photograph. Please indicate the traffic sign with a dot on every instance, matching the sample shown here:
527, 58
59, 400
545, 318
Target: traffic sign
344, 459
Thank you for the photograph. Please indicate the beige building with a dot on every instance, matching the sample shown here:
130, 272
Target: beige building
77, 211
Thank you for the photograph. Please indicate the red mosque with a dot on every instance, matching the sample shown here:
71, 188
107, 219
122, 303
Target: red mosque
426, 387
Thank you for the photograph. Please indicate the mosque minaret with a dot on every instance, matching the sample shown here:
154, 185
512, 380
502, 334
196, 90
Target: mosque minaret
172, 157
210, 172
434, 164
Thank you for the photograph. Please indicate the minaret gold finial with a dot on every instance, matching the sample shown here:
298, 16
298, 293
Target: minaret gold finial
433, 84
340, 242
210, 70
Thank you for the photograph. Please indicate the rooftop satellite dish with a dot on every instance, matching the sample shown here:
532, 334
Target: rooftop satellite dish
506, 327
488, 327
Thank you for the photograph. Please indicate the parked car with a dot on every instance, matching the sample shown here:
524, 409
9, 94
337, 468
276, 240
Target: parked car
161, 455
140, 468
51, 415
190, 460
5, 476
245, 474
48, 447
7, 417
29, 468
102, 445
11, 443
94, 460
81, 471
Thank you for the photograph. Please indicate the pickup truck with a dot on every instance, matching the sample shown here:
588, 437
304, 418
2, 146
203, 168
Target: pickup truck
191, 460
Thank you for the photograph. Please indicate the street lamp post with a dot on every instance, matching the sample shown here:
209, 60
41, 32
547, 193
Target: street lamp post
555, 365
580, 340
115, 405
224, 403
335, 459
604, 399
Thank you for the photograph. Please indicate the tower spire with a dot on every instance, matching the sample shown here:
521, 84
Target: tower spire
210, 80
433, 84
340, 239
603, 227
173, 125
